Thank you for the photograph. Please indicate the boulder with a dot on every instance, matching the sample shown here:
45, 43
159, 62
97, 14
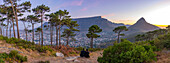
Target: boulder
59, 54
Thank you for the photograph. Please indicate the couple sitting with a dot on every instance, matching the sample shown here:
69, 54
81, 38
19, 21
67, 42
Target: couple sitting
84, 53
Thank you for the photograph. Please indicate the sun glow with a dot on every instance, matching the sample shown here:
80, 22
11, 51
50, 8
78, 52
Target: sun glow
161, 16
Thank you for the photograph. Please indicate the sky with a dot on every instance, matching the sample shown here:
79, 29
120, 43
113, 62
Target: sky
156, 12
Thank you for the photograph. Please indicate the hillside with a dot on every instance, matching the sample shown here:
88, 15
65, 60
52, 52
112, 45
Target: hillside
33, 56
142, 26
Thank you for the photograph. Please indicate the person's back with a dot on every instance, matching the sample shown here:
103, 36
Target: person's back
87, 54
82, 54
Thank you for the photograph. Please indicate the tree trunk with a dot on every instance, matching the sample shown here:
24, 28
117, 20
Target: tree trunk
41, 30
91, 43
16, 17
1, 30
118, 37
59, 37
13, 28
39, 38
32, 32
51, 35
26, 35
7, 28
67, 40
10, 32
56, 36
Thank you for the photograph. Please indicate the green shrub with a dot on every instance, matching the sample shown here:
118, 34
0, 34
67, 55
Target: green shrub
163, 41
127, 52
44, 49
21, 58
94, 49
79, 48
3, 55
2, 61
13, 53
44, 62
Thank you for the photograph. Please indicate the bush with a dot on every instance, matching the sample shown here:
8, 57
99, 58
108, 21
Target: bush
127, 52
25, 44
44, 49
79, 48
44, 62
2, 61
13, 53
163, 41
21, 58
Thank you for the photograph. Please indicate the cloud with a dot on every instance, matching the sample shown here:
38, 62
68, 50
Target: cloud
73, 3
93, 4
84, 9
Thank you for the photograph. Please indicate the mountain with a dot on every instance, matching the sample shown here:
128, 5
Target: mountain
142, 26
104, 24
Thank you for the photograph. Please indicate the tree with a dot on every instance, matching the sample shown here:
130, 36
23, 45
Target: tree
40, 11
33, 20
92, 33
18, 8
39, 33
119, 30
51, 24
25, 27
60, 21
69, 33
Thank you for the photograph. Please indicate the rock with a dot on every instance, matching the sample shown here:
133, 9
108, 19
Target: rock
76, 60
71, 58
59, 54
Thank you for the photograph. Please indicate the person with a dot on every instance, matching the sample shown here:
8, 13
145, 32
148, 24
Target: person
82, 54
87, 54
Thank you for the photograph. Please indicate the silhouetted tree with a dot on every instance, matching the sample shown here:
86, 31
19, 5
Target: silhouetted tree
40, 11
119, 30
92, 33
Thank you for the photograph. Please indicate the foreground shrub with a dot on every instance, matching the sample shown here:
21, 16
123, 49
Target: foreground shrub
2, 61
44, 62
25, 44
163, 41
13, 56
127, 52
44, 49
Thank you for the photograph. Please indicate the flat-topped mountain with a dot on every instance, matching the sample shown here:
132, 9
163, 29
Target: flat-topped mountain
142, 26
105, 24
85, 23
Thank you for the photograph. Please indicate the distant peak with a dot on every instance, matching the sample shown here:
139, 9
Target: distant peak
141, 20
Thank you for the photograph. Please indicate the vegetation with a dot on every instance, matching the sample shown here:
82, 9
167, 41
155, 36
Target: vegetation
40, 11
119, 30
69, 33
12, 56
26, 44
90, 49
92, 33
127, 52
